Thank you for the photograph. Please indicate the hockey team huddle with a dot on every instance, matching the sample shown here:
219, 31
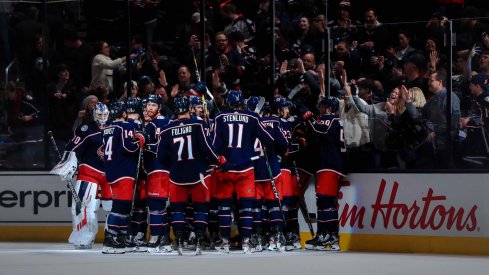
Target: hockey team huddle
195, 176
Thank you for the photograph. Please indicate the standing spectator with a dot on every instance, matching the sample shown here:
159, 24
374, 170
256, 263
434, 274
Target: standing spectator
226, 60
103, 66
434, 112
62, 106
373, 38
237, 22
77, 55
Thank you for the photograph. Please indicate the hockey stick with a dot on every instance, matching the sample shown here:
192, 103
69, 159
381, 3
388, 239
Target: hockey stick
274, 186
136, 179
302, 203
78, 203
197, 74
260, 105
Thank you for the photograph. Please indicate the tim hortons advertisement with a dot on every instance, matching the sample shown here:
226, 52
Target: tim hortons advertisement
415, 204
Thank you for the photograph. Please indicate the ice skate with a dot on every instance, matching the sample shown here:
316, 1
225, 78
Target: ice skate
330, 242
154, 244
292, 241
312, 243
224, 246
113, 244
247, 246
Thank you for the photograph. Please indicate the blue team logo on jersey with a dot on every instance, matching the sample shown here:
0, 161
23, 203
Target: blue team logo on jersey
84, 128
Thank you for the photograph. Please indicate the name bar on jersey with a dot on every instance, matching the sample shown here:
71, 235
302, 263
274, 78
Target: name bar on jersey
232, 117
181, 130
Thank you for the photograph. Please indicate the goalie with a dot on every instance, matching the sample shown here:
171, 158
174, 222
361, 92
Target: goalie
84, 153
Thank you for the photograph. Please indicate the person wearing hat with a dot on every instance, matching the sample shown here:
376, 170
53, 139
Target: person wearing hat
475, 145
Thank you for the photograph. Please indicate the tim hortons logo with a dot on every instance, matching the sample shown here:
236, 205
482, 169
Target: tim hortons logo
430, 212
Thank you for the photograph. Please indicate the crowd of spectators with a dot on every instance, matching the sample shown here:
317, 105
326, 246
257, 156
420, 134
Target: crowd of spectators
391, 77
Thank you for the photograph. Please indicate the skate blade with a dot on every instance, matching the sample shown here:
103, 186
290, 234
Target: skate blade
110, 250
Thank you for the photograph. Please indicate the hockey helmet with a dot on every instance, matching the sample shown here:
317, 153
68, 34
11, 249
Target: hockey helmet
252, 102
280, 102
235, 98
266, 108
198, 89
195, 100
155, 98
181, 104
332, 102
117, 109
100, 114
134, 105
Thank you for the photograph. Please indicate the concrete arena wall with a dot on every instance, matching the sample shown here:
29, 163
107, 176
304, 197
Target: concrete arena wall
419, 213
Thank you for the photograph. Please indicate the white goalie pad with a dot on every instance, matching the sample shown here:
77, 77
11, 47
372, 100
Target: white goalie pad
66, 168
85, 223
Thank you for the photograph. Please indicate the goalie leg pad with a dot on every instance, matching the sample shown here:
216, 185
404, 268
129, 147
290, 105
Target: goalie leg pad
85, 223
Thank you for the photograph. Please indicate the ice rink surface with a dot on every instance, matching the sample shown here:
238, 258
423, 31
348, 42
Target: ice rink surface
55, 258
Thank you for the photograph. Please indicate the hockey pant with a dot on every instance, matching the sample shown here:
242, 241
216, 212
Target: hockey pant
178, 201
158, 188
243, 184
326, 199
291, 191
118, 218
85, 223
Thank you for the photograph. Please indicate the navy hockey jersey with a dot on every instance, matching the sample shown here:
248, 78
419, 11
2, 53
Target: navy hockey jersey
329, 129
120, 151
185, 145
272, 125
234, 136
152, 133
87, 144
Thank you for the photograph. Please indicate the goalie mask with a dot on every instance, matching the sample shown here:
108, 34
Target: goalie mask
100, 114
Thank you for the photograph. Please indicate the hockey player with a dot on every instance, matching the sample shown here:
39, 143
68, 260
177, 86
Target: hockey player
85, 152
136, 239
328, 176
122, 159
234, 136
288, 170
184, 143
265, 197
158, 180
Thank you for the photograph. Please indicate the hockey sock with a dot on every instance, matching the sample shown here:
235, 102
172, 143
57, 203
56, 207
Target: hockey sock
200, 222
327, 213
225, 218
213, 218
139, 218
276, 218
117, 221
246, 216
178, 216
190, 213
257, 216
265, 218
158, 221
290, 204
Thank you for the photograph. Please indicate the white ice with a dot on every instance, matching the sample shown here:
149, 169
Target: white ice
55, 258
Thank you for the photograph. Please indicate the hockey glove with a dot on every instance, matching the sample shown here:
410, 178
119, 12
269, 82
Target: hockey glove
66, 168
140, 139
221, 160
